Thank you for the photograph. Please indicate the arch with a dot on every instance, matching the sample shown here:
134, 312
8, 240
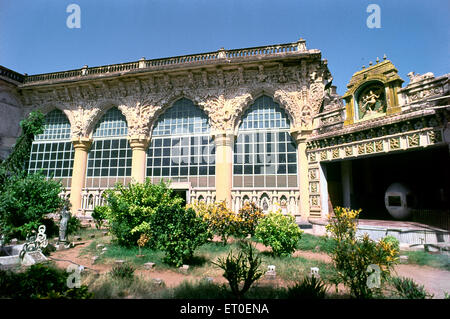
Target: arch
112, 112
56, 126
171, 102
104, 107
182, 105
373, 84
268, 92
265, 202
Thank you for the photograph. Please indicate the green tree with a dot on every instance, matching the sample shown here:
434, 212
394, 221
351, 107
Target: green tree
130, 208
178, 232
26, 201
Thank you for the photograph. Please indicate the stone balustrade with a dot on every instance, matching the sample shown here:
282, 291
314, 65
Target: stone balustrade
220, 55
9, 74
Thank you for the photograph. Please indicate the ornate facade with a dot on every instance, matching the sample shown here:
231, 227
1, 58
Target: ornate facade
246, 124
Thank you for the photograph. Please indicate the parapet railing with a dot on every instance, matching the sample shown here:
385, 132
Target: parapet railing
219, 55
5, 72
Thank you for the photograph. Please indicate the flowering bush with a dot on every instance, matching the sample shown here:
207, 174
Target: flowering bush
221, 220
352, 256
248, 217
280, 232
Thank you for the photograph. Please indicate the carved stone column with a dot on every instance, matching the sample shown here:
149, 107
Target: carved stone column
224, 165
81, 146
139, 146
300, 136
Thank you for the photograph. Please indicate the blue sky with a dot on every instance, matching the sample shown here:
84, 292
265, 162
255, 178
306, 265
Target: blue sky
34, 37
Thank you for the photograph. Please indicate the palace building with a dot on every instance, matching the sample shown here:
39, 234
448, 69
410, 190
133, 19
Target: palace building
261, 124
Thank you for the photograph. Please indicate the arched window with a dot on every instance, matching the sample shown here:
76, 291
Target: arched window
109, 159
182, 149
265, 155
52, 151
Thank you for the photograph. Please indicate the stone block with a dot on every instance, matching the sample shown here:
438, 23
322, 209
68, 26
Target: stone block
158, 281
99, 246
119, 262
33, 257
149, 265
184, 268
403, 259
94, 259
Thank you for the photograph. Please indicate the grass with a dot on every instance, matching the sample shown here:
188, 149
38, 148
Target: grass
315, 243
424, 258
107, 287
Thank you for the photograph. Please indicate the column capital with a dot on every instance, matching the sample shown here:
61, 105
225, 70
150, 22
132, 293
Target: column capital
139, 142
300, 134
83, 143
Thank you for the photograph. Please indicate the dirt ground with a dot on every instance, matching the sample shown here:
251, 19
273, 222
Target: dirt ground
435, 281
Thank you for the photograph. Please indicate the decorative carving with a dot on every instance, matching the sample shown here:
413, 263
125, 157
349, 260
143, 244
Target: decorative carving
81, 115
361, 149
379, 146
335, 153
348, 151
223, 107
394, 143
413, 140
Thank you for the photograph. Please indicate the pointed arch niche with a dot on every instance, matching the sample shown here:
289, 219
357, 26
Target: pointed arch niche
52, 151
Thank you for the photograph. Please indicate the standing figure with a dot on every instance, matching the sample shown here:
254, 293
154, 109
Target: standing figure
65, 216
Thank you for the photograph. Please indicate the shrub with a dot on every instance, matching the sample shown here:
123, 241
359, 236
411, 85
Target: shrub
130, 208
248, 218
280, 232
38, 281
221, 220
177, 232
394, 242
99, 215
24, 203
309, 288
352, 257
123, 271
73, 225
408, 289
241, 270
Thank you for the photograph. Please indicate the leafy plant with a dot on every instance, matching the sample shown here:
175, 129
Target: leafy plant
280, 232
248, 218
123, 271
309, 288
130, 208
25, 202
221, 220
352, 256
408, 289
395, 243
16, 162
241, 270
99, 215
39, 281
73, 225
177, 232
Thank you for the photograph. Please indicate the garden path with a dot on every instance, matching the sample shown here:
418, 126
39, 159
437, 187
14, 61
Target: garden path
435, 281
